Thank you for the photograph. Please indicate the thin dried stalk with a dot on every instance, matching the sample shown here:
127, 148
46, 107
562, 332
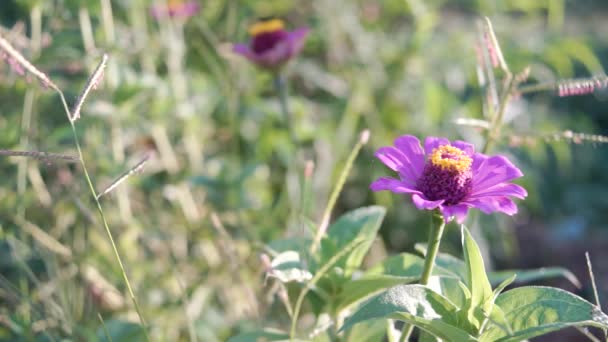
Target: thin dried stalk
471, 122
568, 87
16, 57
45, 156
577, 138
135, 169
94, 79
594, 286
494, 47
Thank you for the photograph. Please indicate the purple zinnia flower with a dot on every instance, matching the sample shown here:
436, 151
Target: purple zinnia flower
175, 8
450, 177
271, 45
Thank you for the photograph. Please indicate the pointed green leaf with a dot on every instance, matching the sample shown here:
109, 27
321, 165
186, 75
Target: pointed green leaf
477, 281
362, 223
535, 310
414, 304
503, 285
524, 276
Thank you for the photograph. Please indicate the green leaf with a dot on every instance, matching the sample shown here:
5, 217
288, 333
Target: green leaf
498, 318
535, 310
362, 223
121, 331
404, 265
414, 304
451, 288
398, 269
370, 331
287, 267
482, 297
355, 291
524, 276
503, 285
260, 335
426, 337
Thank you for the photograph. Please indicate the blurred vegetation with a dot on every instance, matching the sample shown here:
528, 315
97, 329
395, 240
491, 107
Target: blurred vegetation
226, 179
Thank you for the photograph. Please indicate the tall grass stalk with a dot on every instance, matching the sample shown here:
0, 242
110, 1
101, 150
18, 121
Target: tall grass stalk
100, 210
43, 78
363, 139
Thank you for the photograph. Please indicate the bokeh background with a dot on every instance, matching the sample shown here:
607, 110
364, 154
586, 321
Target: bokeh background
225, 178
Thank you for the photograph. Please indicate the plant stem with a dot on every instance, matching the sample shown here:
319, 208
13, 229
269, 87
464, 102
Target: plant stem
437, 226
101, 212
497, 120
281, 88
538, 87
363, 138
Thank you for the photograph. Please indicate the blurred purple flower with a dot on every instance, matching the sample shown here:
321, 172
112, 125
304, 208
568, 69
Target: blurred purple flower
271, 46
450, 177
175, 8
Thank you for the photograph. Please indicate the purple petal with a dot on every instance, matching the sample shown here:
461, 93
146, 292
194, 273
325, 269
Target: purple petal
493, 170
391, 184
422, 203
296, 39
469, 149
409, 145
431, 143
478, 160
504, 189
391, 157
279, 54
242, 49
273, 58
492, 204
458, 211
397, 161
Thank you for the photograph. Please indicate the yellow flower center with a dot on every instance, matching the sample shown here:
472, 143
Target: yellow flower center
449, 157
174, 4
264, 26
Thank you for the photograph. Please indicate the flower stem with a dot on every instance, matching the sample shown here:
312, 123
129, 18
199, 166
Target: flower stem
281, 88
437, 226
